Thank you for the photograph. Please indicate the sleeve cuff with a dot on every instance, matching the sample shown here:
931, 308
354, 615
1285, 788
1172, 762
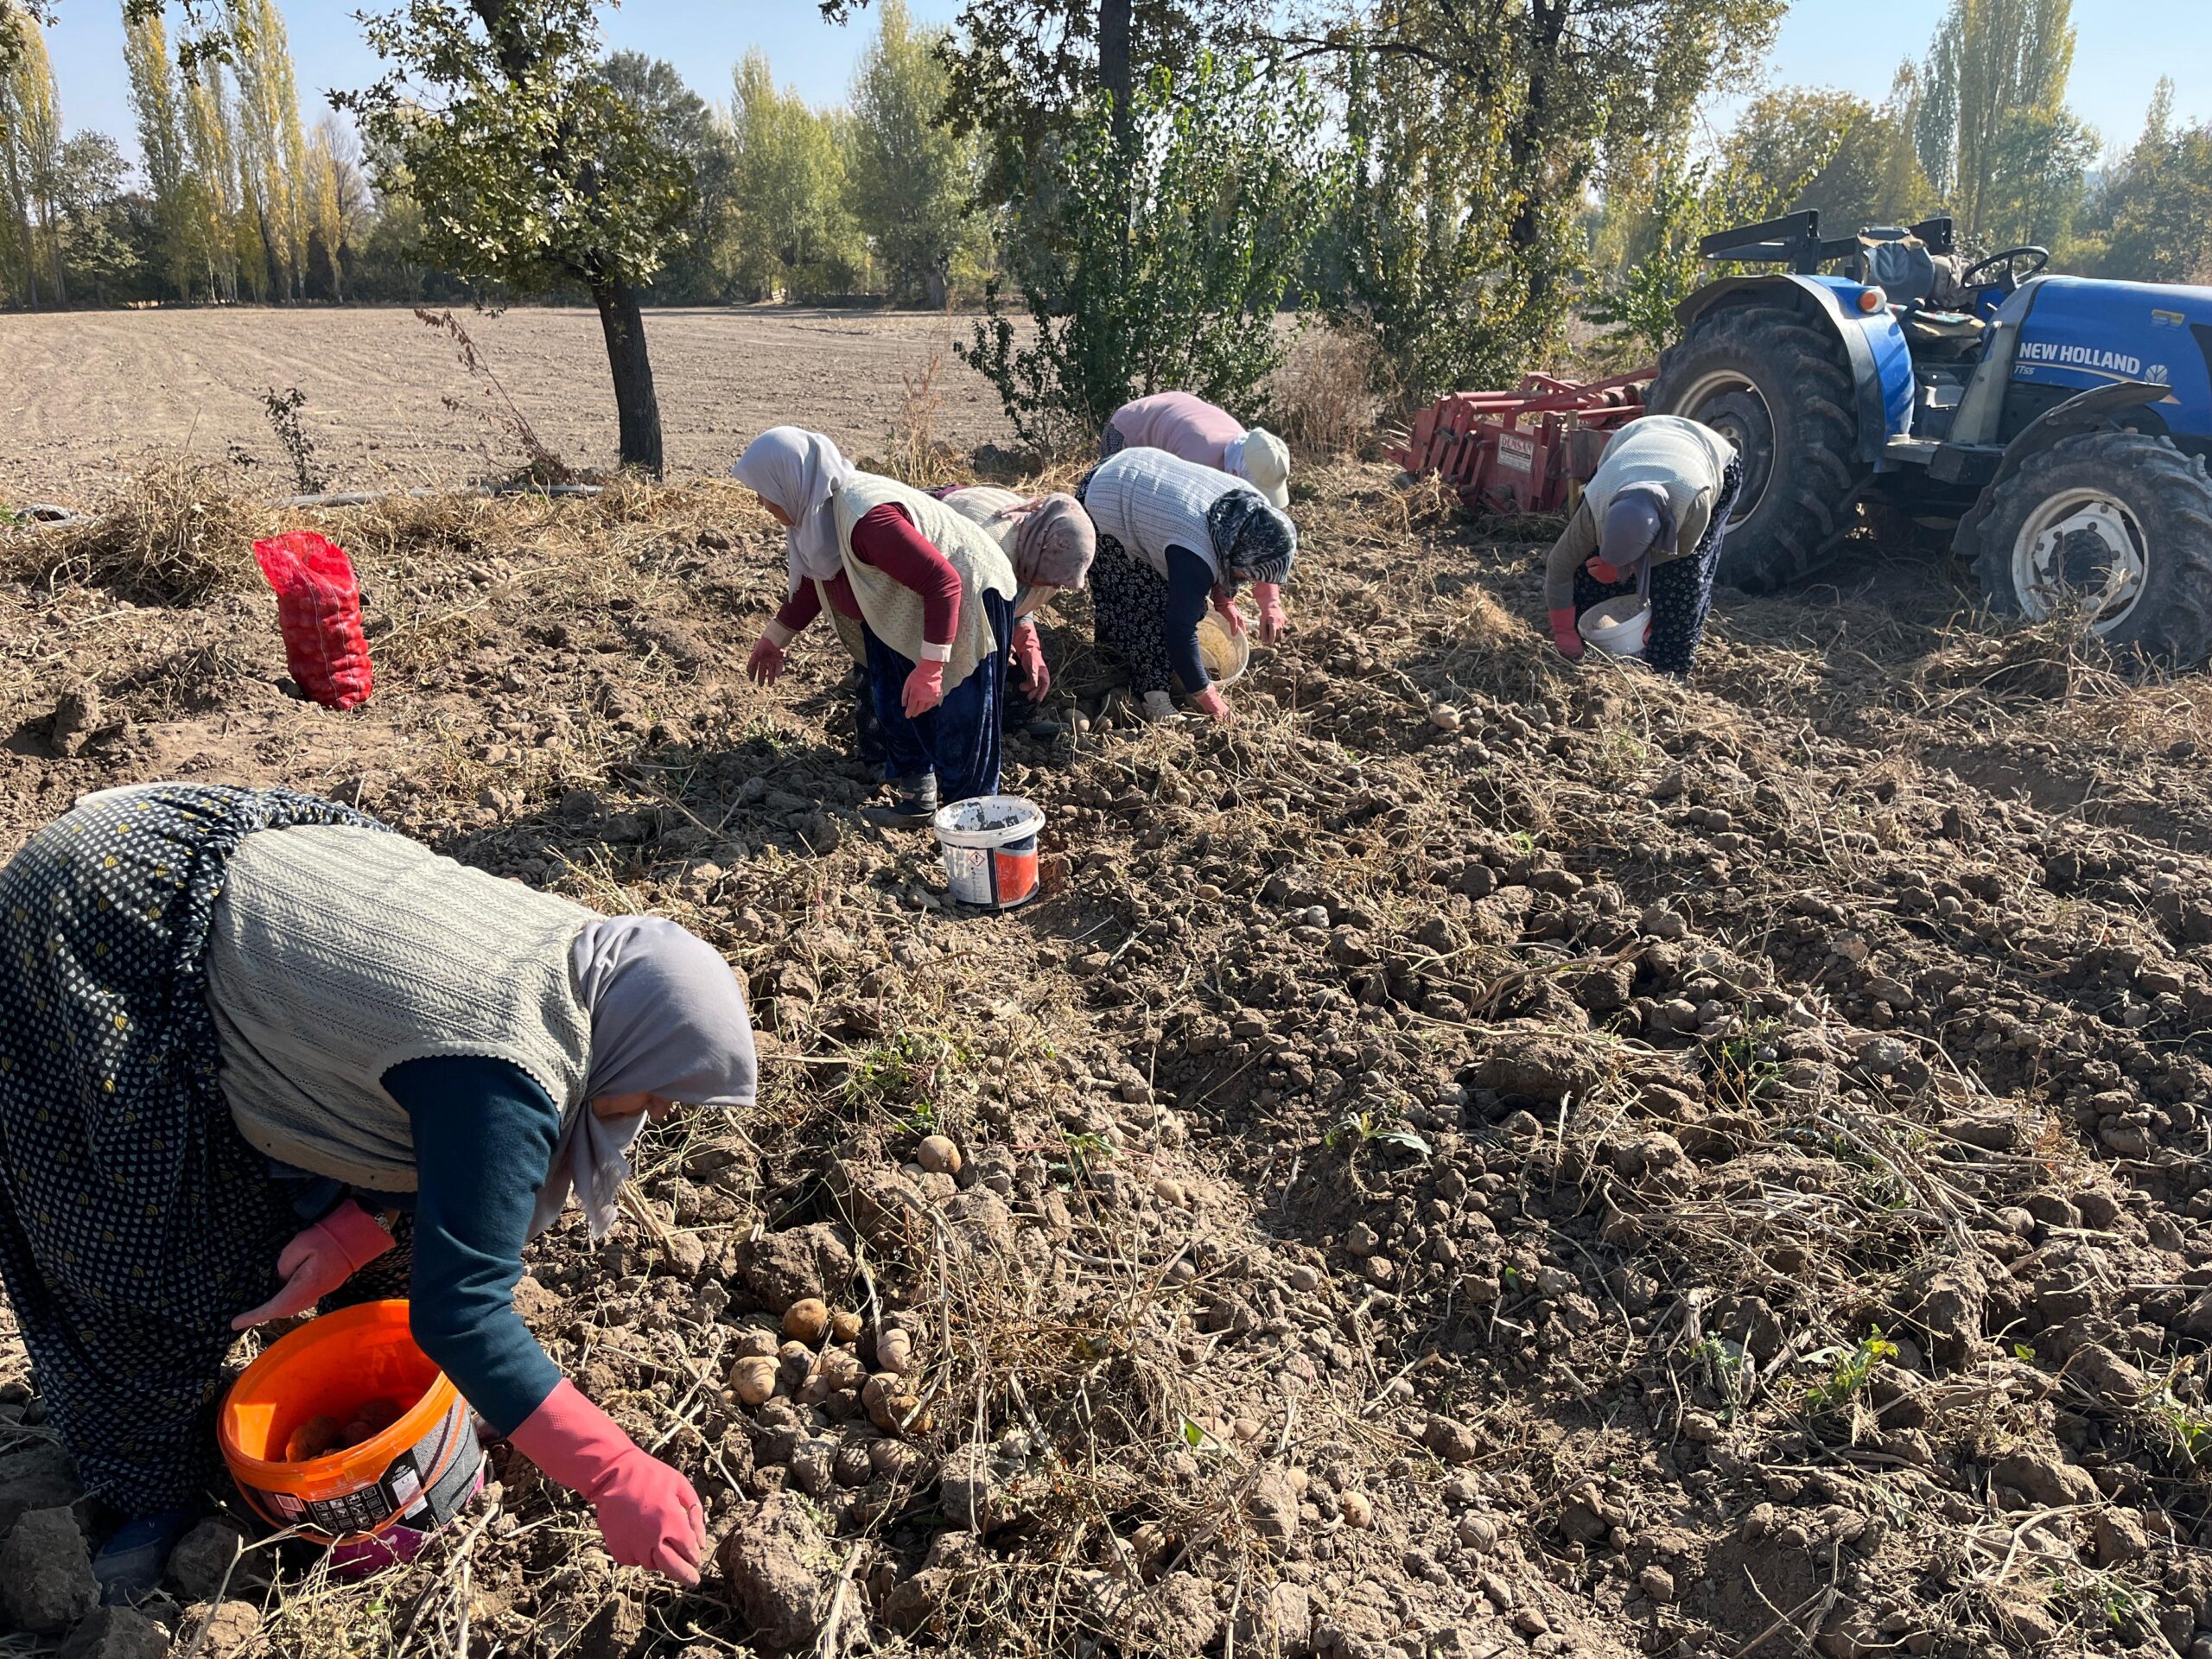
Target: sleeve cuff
932, 652
777, 635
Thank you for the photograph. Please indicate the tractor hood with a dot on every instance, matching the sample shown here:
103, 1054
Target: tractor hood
2077, 335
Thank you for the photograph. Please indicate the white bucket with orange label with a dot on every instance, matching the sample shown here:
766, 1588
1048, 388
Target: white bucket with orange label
990, 849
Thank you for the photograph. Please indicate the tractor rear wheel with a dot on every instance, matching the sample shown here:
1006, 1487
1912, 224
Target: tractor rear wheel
2116, 523
1777, 385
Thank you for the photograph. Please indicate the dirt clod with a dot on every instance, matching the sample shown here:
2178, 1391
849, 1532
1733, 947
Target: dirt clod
778, 1567
115, 1633
203, 1557
46, 1573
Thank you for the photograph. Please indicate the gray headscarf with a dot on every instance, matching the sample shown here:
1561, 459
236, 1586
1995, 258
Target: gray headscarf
1054, 544
668, 1018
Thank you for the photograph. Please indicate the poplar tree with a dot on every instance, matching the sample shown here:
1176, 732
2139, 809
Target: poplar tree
1996, 74
155, 101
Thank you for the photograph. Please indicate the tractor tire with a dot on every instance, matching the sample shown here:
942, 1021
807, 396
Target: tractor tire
2118, 521
1777, 385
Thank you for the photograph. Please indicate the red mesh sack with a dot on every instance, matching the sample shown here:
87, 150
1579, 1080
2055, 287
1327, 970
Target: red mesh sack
319, 607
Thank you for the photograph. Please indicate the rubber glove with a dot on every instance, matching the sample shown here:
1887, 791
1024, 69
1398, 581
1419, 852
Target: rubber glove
765, 663
1565, 634
1275, 621
924, 689
318, 1260
1215, 705
648, 1514
1027, 652
1232, 618
1600, 570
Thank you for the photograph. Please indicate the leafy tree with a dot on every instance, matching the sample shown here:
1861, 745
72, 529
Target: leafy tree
912, 178
213, 197
158, 103
685, 125
2157, 207
271, 147
30, 163
2039, 184
1991, 62
532, 169
793, 234
1158, 260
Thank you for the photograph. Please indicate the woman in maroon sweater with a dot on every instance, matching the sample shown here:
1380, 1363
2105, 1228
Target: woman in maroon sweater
943, 741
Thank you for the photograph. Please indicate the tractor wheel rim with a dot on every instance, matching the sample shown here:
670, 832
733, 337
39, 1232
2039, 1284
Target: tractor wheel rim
1732, 405
2084, 547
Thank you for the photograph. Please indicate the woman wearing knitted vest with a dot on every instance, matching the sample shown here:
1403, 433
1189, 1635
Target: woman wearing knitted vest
1174, 536
1190, 428
1050, 542
935, 594
233, 1018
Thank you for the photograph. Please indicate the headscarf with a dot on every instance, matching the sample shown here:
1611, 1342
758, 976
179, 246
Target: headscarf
1252, 540
799, 471
668, 1018
1054, 544
1261, 460
1637, 519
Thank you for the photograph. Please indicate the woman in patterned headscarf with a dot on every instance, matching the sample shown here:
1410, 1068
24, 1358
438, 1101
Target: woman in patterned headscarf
233, 1018
1175, 537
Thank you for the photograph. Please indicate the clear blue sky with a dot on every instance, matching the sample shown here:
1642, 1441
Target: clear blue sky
2125, 46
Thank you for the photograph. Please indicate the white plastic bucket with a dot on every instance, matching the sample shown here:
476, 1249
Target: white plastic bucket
1226, 655
990, 849
1619, 627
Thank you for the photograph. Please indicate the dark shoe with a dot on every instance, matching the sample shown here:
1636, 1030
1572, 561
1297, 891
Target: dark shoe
130, 1564
912, 807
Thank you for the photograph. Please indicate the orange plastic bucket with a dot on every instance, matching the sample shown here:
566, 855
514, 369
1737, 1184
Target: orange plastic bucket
415, 1475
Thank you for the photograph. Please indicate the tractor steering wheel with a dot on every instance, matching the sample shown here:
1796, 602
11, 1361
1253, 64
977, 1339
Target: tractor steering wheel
2008, 279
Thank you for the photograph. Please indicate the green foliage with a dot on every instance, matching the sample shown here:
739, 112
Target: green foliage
905, 1077
533, 170
1354, 1132
2157, 208
685, 125
1991, 63
1849, 1371
913, 179
1158, 261
791, 235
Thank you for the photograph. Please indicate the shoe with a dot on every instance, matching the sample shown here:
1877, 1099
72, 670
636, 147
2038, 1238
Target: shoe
1044, 731
914, 806
1158, 706
130, 1564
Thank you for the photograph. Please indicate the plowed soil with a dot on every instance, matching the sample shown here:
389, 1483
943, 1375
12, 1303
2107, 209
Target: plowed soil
1478, 1156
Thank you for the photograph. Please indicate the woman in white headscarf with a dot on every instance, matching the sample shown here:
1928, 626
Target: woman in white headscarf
1050, 542
232, 1017
935, 596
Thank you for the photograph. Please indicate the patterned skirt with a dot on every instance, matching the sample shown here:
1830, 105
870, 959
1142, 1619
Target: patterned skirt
1129, 608
135, 1220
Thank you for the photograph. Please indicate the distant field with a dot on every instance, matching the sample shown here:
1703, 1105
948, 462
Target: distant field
86, 392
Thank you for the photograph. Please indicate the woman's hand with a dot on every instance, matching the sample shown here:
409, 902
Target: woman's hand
318, 1260
1275, 621
765, 663
924, 689
1027, 653
1232, 618
648, 1514
1215, 705
1567, 636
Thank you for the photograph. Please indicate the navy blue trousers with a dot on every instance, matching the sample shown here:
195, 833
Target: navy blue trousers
959, 739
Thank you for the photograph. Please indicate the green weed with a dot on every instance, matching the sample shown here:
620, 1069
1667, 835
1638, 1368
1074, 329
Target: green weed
1849, 1371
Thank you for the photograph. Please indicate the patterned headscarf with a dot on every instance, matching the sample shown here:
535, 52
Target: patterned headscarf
1252, 541
1054, 544
799, 471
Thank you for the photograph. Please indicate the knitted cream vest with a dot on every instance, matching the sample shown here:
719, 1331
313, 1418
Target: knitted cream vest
1685, 458
1149, 502
336, 954
892, 609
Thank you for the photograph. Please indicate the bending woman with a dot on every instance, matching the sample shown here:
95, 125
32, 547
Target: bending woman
1049, 541
935, 594
1173, 538
233, 1018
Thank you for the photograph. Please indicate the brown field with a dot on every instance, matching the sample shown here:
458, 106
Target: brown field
88, 391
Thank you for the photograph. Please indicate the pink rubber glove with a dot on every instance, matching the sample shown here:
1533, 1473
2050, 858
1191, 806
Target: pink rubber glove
320, 1260
648, 1514
1215, 705
1275, 621
765, 663
1565, 635
1232, 618
1600, 570
1028, 654
924, 689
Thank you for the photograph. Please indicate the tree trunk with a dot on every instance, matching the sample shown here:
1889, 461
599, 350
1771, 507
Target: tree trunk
1115, 74
635, 403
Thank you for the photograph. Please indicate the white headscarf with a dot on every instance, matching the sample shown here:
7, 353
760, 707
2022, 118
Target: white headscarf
799, 471
668, 1018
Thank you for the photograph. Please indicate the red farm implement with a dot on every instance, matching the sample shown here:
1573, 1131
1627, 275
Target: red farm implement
1527, 450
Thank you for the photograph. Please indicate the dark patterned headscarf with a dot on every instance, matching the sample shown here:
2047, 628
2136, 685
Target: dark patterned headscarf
1252, 541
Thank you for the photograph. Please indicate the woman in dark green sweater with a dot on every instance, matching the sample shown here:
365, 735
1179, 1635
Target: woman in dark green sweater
245, 1030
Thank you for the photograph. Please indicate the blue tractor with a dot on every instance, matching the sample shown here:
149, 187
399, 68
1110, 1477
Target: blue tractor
2055, 428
